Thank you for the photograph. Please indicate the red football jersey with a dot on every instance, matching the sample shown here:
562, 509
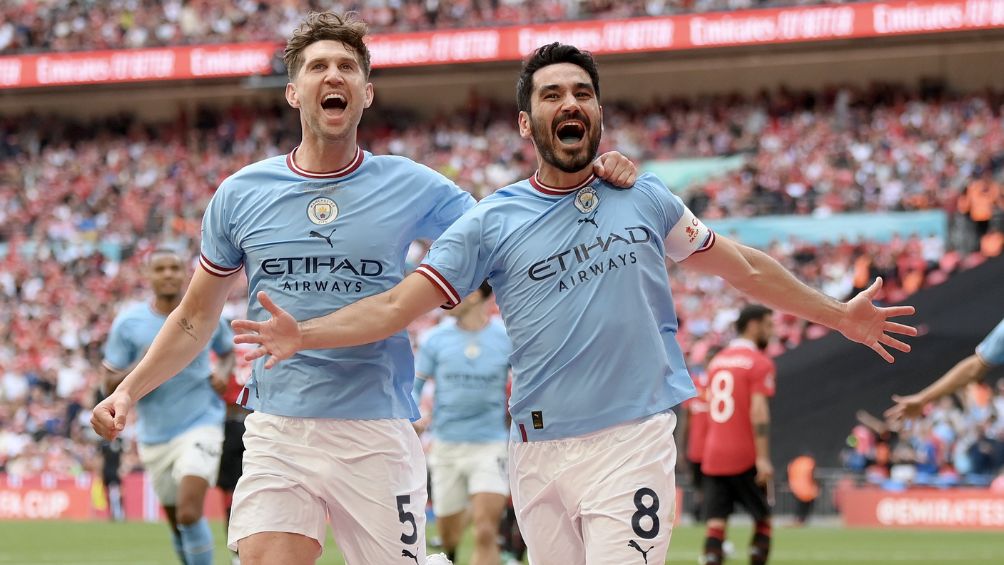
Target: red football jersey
734, 375
697, 419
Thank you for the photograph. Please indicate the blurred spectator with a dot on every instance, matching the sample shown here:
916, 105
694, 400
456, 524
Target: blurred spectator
82, 203
48, 25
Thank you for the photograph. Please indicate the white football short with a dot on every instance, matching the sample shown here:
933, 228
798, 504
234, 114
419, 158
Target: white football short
195, 453
605, 498
461, 469
367, 476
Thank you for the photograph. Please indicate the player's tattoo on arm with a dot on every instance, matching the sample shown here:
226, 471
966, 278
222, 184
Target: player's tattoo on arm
187, 327
761, 430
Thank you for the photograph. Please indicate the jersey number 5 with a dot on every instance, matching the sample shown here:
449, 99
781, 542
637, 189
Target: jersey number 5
721, 404
407, 518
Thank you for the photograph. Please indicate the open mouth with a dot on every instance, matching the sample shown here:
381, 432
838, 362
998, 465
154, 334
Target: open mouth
334, 102
570, 132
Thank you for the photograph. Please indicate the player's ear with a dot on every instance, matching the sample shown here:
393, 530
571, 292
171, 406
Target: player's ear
524, 125
291, 97
369, 95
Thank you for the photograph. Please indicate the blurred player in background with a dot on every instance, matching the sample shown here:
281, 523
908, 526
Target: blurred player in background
232, 456
737, 466
469, 362
180, 424
580, 275
989, 353
319, 228
694, 429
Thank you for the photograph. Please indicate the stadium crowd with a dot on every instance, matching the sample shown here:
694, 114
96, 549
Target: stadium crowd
82, 204
43, 25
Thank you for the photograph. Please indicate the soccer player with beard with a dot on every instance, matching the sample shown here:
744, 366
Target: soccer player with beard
180, 450
579, 274
319, 228
736, 463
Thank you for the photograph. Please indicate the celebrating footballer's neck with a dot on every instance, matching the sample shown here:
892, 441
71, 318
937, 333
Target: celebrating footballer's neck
330, 90
564, 121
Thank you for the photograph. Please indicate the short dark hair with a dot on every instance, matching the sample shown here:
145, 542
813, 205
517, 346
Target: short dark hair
553, 54
320, 26
486, 289
751, 313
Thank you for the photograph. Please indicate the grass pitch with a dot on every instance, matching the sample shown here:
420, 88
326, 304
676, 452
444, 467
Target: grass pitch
100, 543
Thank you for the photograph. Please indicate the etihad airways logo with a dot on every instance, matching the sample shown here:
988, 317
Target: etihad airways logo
278, 266
571, 258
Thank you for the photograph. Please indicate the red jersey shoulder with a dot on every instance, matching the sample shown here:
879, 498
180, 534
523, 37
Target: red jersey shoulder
765, 375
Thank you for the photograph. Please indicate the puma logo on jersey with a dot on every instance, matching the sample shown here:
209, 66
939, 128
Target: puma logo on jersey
590, 219
324, 237
644, 552
406, 553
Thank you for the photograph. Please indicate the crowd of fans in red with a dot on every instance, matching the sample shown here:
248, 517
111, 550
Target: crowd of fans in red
77, 25
81, 204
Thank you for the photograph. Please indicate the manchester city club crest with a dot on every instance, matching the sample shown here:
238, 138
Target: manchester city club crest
587, 200
472, 351
322, 211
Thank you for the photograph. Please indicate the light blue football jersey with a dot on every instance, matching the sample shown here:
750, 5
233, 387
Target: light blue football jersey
317, 243
187, 399
471, 370
580, 278
991, 349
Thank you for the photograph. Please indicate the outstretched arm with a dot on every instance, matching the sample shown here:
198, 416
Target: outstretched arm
371, 319
969, 370
185, 333
759, 276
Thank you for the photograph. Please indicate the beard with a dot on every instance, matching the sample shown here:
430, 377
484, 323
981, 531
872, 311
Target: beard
762, 342
546, 141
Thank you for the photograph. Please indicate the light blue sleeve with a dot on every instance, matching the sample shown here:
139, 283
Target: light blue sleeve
451, 203
220, 255
425, 361
460, 260
120, 351
682, 232
223, 339
991, 349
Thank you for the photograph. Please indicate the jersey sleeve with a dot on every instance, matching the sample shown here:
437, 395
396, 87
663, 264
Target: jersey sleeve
451, 202
765, 379
991, 349
220, 256
223, 339
683, 233
459, 260
120, 352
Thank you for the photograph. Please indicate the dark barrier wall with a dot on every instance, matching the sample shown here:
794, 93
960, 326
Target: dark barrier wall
822, 383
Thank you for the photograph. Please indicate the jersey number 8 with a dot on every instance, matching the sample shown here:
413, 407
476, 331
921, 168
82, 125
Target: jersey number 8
721, 404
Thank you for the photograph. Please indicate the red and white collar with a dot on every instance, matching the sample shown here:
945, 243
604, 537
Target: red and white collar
558, 190
347, 169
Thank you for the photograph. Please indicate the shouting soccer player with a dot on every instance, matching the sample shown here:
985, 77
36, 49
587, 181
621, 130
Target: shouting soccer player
736, 462
319, 228
469, 362
580, 278
180, 425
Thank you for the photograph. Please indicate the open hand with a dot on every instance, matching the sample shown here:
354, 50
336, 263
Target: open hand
868, 324
278, 336
616, 169
906, 407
